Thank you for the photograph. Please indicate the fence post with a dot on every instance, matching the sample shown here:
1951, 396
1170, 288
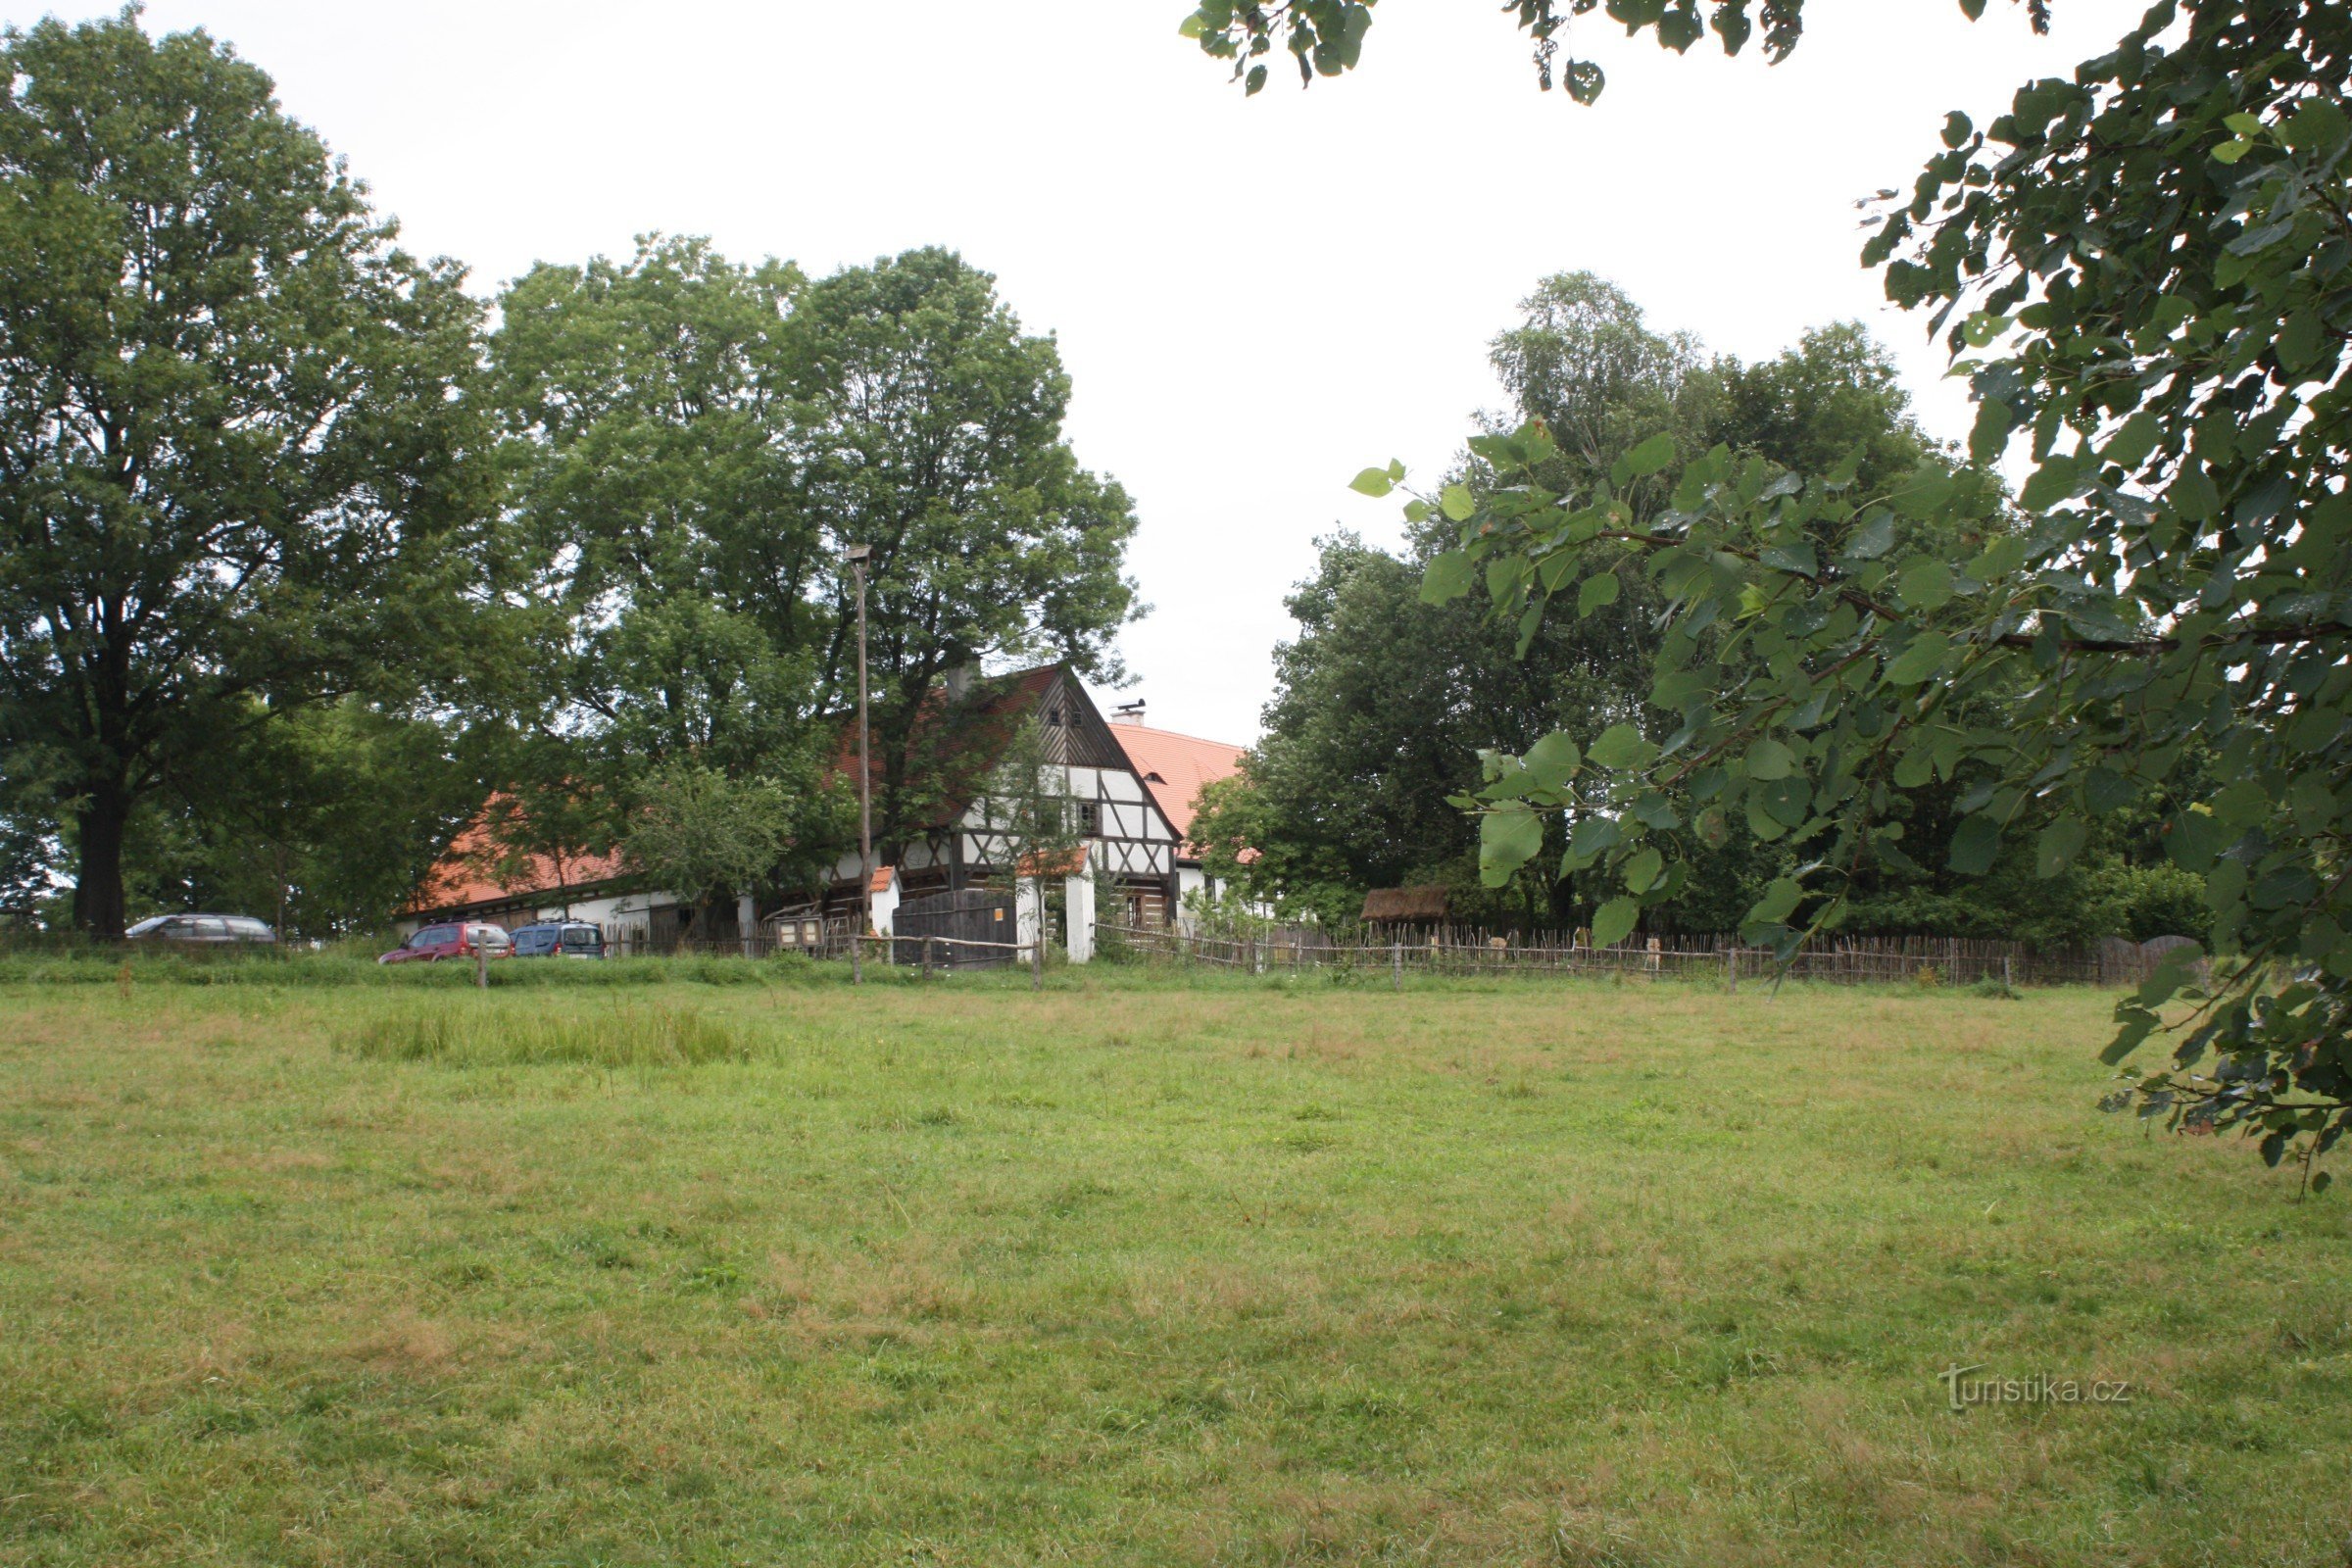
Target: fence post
926, 958
2008, 975
481, 963
1396, 964
1730, 969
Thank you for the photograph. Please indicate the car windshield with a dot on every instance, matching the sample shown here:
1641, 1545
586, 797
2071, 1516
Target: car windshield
151, 923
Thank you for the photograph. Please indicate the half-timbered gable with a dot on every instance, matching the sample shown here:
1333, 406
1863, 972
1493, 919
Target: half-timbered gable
1127, 834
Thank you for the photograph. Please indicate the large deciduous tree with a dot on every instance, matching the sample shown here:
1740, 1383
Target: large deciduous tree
2143, 271
930, 428
695, 440
238, 464
650, 440
1385, 700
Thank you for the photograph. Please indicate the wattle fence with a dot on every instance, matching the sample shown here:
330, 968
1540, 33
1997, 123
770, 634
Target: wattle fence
1458, 951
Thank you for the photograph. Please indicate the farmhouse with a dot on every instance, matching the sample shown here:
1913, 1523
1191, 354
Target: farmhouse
1129, 839
1131, 787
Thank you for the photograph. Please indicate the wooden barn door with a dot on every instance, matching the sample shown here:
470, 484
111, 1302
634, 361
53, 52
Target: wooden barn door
975, 915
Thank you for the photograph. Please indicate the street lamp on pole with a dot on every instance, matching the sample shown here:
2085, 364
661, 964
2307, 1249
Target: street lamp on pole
857, 557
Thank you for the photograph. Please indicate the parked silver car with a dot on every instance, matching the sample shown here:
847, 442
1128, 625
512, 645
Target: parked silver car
203, 929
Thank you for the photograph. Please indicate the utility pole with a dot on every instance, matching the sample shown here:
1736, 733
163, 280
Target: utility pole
855, 556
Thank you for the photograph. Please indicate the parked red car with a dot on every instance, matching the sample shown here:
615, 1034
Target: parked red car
454, 940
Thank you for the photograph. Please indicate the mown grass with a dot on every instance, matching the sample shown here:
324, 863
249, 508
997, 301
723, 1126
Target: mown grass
1132, 1271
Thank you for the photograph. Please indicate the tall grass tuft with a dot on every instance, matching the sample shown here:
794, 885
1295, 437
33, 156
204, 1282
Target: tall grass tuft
470, 1035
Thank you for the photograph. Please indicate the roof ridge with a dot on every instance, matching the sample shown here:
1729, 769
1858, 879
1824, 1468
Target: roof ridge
1117, 725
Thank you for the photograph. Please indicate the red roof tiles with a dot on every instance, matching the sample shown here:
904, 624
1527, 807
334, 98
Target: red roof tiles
1174, 766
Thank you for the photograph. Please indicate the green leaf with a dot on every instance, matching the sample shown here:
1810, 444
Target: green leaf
2300, 339
2060, 842
2129, 445
1926, 584
1372, 482
2173, 971
1872, 539
2105, 790
1974, 843
1983, 327
1507, 839
2054, 481
1642, 872
1457, 503
1650, 455
1956, 129
2137, 1024
1614, 920
1990, 433
2229, 151
1449, 576
1768, 759
2316, 125
1553, 760
1921, 659
1778, 903
1592, 838
1597, 592
1786, 800
1502, 577
1621, 747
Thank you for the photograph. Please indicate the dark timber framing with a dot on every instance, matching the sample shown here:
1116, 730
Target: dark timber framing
1128, 839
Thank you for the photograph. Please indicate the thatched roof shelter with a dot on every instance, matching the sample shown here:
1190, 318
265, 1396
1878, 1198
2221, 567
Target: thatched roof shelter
1383, 906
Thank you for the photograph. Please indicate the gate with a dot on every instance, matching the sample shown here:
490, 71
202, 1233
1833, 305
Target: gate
975, 915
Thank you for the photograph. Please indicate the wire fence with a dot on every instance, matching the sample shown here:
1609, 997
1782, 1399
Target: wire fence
1457, 950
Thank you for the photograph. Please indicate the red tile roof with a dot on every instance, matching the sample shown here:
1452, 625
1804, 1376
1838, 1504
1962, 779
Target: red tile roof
1174, 766
468, 873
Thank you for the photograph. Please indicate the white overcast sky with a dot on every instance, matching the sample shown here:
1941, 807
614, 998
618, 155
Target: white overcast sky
1255, 298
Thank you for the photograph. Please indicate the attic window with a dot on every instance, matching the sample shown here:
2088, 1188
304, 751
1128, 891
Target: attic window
1154, 778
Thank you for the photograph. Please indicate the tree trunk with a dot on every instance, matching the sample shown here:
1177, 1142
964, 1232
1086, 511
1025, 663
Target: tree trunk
98, 830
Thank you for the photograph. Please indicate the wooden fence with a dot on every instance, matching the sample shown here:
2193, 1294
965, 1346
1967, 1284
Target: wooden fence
1453, 949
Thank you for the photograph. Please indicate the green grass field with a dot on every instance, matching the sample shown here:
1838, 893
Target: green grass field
1130, 1271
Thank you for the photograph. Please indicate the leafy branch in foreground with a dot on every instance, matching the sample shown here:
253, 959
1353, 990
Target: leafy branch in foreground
1326, 37
2147, 275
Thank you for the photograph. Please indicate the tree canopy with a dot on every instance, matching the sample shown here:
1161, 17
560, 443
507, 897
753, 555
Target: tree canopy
1385, 700
694, 441
241, 449
2142, 272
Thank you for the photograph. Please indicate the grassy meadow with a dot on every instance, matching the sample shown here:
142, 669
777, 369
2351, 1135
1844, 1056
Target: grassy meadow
1133, 1270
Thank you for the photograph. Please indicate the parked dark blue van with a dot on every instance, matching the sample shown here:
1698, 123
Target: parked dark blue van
560, 939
